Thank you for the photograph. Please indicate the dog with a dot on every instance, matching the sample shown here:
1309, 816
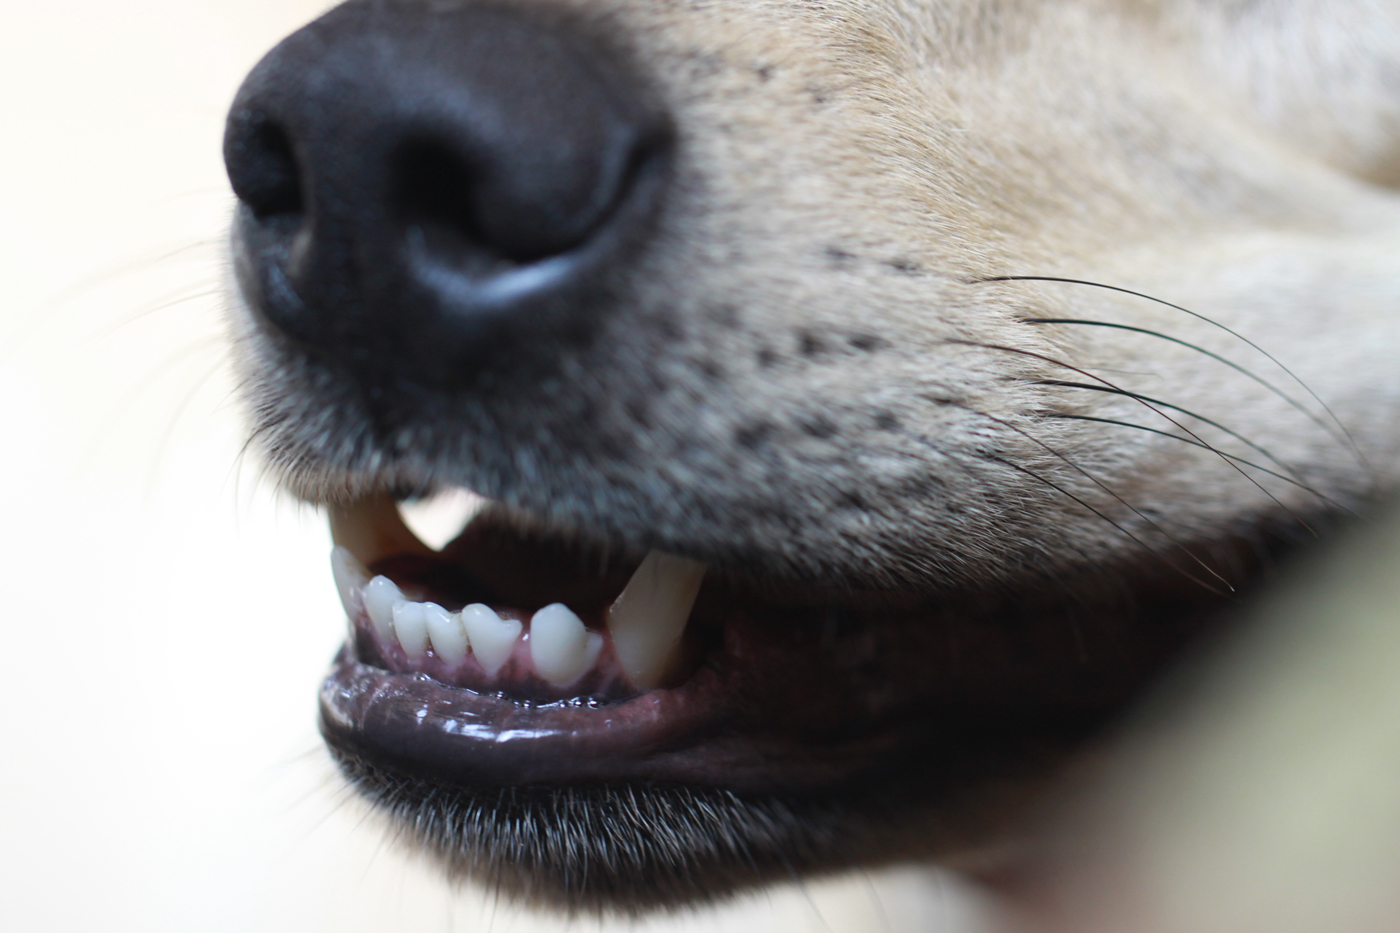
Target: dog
870, 398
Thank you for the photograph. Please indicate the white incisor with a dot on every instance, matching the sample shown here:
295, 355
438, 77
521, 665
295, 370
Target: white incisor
561, 647
646, 623
492, 637
650, 616
446, 633
411, 625
380, 597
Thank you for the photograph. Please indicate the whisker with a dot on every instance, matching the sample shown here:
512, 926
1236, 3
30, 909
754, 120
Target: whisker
1097, 482
1054, 362
1142, 544
254, 437
1345, 435
162, 305
169, 364
179, 413
97, 279
1072, 497
1202, 350
1194, 443
1185, 411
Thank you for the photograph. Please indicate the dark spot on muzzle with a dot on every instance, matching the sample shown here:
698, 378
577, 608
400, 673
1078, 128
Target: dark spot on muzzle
432, 190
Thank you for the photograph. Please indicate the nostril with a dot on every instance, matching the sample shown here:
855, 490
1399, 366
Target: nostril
501, 203
432, 196
262, 166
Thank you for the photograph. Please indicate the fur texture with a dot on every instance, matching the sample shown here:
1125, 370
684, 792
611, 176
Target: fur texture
946, 295
809, 369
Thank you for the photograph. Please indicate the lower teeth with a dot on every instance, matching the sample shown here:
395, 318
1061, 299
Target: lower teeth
645, 623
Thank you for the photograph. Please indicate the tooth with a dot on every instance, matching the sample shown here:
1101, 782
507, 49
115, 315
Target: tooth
440, 518
350, 578
371, 528
446, 632
492, 638
560, 645
380, 596
648, 619
411, 625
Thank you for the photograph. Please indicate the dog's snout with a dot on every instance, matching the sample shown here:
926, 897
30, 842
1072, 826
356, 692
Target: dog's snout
445, 181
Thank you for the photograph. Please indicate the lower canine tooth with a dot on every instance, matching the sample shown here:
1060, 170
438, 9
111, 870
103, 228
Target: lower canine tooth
560, 645
492, 638
411, 625
380, 596
446, 633
350, 578
650, 616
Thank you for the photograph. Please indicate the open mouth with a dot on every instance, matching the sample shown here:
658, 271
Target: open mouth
599, 726
514, 658
590, 728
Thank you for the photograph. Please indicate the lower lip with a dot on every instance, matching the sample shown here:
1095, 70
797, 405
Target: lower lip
763, 713
411, 723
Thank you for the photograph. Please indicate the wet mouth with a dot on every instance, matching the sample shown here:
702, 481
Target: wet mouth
599, 727
509, 658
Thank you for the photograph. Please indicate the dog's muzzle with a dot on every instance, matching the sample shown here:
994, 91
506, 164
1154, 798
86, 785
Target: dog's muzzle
440, 204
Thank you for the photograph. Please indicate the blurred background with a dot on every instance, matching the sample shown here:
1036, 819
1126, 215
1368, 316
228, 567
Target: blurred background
169, 615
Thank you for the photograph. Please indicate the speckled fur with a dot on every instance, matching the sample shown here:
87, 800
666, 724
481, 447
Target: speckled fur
806, 372
810, 372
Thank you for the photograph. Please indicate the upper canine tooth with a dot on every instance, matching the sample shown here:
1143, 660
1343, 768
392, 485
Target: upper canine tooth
411, 625
648, 619
441, 517
380, 596
446, 633
350, 578
560, 645
492, 638
371, 528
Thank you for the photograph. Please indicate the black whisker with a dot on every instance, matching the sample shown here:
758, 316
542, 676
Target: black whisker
1345, 435
1195, 443
1202, 350
1097, 482
1054, 362
1114, 390
1072, 497
1142, 544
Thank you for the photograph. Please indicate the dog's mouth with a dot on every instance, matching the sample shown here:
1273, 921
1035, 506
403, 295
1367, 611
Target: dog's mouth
512, 657
509, 690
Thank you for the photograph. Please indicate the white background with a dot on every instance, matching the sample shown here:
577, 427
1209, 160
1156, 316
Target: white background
167, 615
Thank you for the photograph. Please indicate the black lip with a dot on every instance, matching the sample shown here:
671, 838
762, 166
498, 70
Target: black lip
823, 730
790, 698
706, 731
515, 798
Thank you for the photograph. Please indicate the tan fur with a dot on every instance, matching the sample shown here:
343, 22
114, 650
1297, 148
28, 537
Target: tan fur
854, 170
842, 391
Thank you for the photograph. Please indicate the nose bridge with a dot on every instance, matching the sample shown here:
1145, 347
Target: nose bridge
445, 182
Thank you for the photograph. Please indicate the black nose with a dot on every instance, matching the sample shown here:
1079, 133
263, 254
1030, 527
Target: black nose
427, 187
